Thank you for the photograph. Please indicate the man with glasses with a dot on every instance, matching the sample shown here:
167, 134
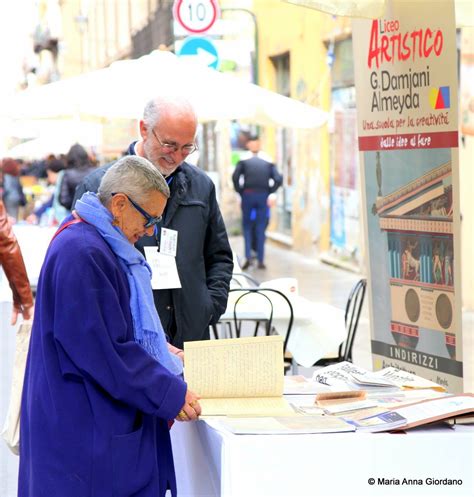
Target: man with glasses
192, 229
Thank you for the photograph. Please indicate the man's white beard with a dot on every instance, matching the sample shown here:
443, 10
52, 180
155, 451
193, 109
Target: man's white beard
165, 171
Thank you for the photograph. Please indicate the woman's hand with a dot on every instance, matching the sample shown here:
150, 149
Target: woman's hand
175, 351
191, 408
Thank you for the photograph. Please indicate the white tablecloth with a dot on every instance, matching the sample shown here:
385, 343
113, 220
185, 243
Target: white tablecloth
34, 242
213, 462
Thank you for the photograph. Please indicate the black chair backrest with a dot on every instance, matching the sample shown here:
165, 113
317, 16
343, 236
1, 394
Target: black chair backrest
351, 317
235, 282
250, 291
244, 280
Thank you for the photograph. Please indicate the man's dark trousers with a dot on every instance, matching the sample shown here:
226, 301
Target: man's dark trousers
258, 201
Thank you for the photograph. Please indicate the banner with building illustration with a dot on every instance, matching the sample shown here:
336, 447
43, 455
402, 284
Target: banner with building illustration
406, 94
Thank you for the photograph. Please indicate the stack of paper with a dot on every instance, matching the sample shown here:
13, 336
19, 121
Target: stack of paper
299, 385
406, 380
347, 376
344, 407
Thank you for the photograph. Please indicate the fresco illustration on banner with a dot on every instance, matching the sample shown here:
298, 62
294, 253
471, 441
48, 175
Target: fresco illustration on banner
410, 231
407, 120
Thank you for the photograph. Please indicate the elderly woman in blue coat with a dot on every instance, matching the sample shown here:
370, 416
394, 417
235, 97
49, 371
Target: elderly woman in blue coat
101, 382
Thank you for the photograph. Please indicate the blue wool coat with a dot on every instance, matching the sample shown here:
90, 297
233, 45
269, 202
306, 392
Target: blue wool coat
95, 404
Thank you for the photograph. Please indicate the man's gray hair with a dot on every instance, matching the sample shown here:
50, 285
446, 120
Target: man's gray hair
135, 176
157, 106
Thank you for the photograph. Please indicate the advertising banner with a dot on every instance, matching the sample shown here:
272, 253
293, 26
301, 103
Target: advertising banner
406, 94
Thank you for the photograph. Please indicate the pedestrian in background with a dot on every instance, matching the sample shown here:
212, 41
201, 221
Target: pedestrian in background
13, 195
14, 268
54, 171
192, 229
100, 383
255, 179
79, 165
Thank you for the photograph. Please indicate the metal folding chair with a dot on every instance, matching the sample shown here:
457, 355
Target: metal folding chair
242, 280
237, 320
239, 280
351, 317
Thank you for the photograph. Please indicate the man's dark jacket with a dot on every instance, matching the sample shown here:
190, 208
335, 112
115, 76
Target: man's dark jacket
204, 257
259, 176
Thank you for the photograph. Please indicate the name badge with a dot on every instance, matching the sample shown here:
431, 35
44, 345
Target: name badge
168, 241
164, 270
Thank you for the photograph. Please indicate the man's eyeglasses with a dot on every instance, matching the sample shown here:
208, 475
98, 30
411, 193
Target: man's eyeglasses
150, 220
172, 147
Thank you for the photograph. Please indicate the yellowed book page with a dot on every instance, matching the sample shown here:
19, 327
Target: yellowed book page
250, 406
284, 425
238, 367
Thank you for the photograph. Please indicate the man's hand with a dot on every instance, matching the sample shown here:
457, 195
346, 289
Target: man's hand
191, 408
27, 313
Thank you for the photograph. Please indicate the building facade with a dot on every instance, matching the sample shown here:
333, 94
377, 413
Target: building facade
297, 52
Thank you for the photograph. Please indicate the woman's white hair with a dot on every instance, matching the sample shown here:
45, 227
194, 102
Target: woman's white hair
135, 176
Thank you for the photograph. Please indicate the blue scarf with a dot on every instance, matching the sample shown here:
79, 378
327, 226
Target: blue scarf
147, 327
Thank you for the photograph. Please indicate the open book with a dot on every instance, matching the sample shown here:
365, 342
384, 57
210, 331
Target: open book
347, 376
416, 414
432, 410
238, 377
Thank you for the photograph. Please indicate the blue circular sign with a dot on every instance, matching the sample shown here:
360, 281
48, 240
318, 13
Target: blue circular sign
201, 49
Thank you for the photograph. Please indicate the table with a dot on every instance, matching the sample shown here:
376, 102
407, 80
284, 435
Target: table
34, 242
212, 462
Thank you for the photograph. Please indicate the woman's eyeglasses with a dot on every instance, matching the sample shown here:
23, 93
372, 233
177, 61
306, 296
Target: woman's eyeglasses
172, 147
150, 220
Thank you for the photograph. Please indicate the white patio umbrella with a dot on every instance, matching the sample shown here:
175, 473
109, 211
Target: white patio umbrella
28, 129
122, 89
52, 101
38, 148
57, 137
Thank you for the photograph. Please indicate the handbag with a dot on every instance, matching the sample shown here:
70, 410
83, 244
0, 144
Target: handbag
11, 428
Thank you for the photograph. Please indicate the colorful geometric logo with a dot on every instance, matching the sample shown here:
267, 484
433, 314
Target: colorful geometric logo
439, 98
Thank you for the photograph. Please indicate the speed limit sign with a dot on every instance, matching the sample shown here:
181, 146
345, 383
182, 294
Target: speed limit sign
196, 16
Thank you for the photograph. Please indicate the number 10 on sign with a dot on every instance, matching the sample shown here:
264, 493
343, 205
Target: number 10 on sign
196, 16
